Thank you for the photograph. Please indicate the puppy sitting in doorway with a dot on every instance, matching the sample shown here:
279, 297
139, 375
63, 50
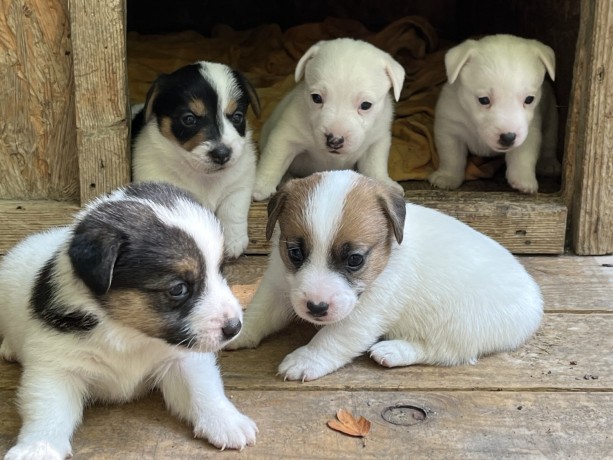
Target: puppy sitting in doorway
496, 102
365, 265
338, 116
128, 298
193, 132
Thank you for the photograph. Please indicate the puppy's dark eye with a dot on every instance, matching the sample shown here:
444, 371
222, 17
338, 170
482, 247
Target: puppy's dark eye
317, 99
365, 105
529, 100
355, 261
237, 118
484, 100
295, 255
189, 119
179, 291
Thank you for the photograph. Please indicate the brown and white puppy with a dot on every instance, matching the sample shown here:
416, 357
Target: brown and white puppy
350, 255
128, 298
193, 132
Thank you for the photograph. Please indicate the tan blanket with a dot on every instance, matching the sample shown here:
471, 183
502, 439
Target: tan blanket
268, 56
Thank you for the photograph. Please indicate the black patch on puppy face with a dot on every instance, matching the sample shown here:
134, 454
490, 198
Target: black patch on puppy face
47, 308
186, 106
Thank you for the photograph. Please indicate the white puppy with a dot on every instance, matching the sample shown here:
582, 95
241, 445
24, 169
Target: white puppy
446, 295
128, 298
193, 132
496, 102
338, 116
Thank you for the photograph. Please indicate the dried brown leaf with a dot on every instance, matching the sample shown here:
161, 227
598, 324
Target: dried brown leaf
349, 425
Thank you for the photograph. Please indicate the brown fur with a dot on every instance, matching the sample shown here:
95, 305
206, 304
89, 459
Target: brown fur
197, 107
133, 308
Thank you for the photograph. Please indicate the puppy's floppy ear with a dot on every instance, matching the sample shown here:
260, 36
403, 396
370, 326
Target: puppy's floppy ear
456, 57
547, 57
395, 209
151, 95
300, 67
275, 207
93, 251
248, 88
395, 72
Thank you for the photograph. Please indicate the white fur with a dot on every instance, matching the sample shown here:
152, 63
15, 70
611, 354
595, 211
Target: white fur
345, 73
227, 191
448, 295
506, 69
64, 371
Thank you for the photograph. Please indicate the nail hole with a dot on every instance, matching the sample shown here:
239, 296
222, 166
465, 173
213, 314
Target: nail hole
405, 415
521, 232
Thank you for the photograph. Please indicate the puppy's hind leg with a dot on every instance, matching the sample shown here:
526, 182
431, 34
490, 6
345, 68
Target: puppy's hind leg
51, 406
395, 353
193, 391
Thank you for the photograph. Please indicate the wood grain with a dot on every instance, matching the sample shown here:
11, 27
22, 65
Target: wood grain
37, 107
588, 189
98, 33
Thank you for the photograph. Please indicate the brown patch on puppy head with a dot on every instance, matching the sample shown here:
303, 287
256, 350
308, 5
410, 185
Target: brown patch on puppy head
190, 144
373, 215
287, 207
132, 308
231, 107
197, 107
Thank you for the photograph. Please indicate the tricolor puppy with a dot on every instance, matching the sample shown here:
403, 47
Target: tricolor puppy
338, 116
365, 265
496, 102
128, 298
193, 132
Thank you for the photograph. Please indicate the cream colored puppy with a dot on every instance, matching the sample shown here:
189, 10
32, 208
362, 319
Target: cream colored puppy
496, 102
365, 265
338, 116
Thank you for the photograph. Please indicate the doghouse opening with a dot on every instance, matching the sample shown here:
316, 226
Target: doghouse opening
237, 33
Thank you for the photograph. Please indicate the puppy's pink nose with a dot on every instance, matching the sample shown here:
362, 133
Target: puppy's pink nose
333, 142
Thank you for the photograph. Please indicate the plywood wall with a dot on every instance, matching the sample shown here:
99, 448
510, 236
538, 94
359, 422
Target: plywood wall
37, 131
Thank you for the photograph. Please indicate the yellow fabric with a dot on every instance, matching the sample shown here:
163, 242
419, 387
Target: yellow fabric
268, 56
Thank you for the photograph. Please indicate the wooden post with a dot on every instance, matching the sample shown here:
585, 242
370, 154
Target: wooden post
588, 178
100, 72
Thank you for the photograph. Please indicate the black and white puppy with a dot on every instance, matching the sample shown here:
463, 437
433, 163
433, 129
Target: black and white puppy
193, 132
128, 298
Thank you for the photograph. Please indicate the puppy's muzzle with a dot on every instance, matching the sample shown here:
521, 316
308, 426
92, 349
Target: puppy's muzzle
333, 142
220, 154
507, 139
317, 310
231, 328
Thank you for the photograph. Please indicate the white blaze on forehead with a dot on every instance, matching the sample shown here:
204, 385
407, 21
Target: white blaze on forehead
324, 210
220, 77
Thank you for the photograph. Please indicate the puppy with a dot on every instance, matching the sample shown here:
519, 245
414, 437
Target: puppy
496, 102
447, 295
193, 132
128, 298
338, 116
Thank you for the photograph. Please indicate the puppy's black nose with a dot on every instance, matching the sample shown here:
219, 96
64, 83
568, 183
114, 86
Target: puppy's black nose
317, 310
507, 139
220, 154
231, 328
333, 142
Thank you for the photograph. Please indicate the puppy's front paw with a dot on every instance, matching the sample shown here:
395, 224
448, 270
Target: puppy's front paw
41, 450
262, 191
227, 428
393, 353
306, 364
445, 180
235, 246
525, 183
394, 185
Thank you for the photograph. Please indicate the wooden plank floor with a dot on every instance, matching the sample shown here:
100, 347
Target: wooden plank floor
553, 398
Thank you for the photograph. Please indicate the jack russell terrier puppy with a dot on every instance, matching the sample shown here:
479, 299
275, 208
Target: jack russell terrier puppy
192, 132
366, 266
338, 116
496, 102
128, 298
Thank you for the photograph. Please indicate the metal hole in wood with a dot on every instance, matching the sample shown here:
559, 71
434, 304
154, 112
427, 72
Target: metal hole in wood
405, 415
